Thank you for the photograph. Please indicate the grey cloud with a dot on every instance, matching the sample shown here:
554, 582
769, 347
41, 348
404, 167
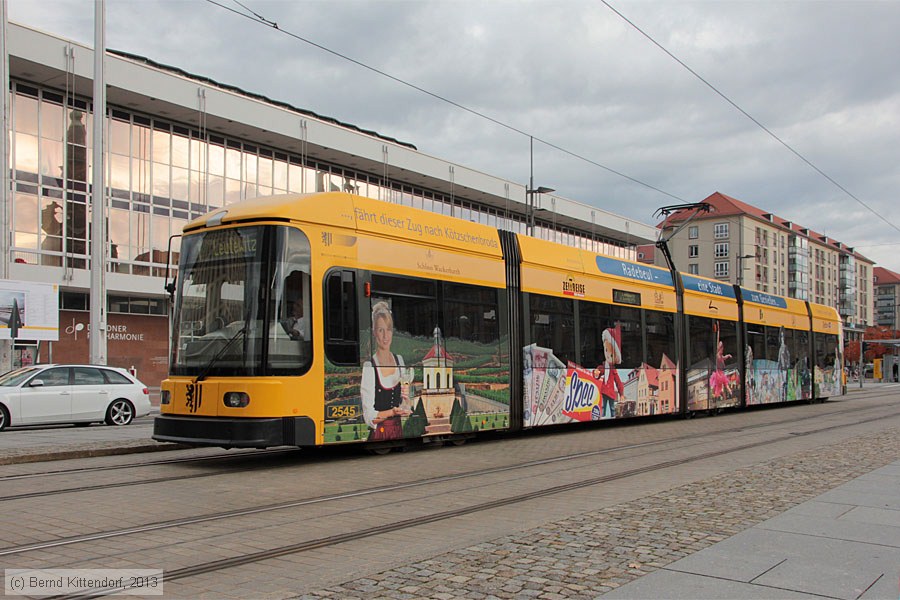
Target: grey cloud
820, 75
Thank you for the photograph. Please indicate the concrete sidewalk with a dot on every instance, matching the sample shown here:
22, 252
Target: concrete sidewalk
60, 442
842, 544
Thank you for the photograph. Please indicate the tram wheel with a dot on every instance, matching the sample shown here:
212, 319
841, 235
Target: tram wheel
458, 441
381, 451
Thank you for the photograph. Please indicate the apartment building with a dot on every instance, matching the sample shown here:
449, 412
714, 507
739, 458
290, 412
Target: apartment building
887, 298
740, 243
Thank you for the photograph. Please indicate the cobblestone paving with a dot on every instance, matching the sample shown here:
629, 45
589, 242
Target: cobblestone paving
591, 554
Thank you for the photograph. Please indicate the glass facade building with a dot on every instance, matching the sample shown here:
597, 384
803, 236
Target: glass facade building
162, 174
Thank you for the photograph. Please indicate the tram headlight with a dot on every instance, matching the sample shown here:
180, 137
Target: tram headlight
165, 397
236, 399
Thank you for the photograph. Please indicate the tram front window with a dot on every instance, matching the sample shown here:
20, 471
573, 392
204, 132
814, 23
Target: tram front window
231, 300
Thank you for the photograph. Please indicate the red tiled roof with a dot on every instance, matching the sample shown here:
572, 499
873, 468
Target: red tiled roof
651, 374
666, 363
648, 251
436, 352
722, 206
884, 276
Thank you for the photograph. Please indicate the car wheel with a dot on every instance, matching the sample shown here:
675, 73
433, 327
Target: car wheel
4, 418
120, 412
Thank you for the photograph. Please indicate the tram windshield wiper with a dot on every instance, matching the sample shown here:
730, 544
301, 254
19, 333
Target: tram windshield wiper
205, 371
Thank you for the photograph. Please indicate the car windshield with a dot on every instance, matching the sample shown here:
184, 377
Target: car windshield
236, 287
16, 377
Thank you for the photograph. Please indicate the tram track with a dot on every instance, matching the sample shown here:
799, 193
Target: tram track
372, 491
220, 564
284, 452
151, 463
234, 455
240, 454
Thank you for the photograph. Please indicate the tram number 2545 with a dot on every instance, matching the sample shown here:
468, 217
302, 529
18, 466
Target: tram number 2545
341, 411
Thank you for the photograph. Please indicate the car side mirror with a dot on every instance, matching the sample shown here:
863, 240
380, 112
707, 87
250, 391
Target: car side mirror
36, 383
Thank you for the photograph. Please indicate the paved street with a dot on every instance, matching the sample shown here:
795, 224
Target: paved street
816, 519
679, 544
66, 441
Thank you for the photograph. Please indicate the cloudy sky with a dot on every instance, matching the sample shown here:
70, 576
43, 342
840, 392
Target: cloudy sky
600, 99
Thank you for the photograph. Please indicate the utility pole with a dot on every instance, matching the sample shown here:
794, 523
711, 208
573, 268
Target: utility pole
6, 346
740, 268
98, 193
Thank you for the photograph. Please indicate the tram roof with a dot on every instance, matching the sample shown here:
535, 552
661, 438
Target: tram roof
577, 260
358, 213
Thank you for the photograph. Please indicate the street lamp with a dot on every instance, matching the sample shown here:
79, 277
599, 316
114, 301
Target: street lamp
531, 191
740, 267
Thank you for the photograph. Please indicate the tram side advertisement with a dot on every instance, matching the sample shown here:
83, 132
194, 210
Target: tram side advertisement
711, 324
557, 392
413, 385
630, 374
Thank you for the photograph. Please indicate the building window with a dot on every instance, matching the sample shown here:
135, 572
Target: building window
693, 268
73, 301
721, 230
693, 251
722, 269
693, 232
136, 305
722, 250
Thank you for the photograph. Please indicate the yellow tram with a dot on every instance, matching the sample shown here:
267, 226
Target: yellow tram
328, 318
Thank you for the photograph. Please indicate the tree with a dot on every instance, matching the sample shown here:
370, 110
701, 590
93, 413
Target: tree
874, 350
459, 420
416, 422
851, 352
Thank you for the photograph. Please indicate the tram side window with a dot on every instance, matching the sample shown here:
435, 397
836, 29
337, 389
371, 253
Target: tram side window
660, 328
728, 337
553, 325
826, 350
288, 303
625, 326
773, 343
341, 322
293, 313
593, 318
800, 351
756, 340
834, 350
789, 345
413, 305
470, 313
628, 321
700, 340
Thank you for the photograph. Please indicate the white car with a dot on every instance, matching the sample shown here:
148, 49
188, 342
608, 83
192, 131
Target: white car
45, 394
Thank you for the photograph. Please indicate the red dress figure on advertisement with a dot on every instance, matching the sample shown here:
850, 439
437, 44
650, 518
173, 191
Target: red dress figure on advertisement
380, 389
611, 388
718, 381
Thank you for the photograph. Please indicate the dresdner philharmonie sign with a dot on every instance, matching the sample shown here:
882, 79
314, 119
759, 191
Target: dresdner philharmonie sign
29, 311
